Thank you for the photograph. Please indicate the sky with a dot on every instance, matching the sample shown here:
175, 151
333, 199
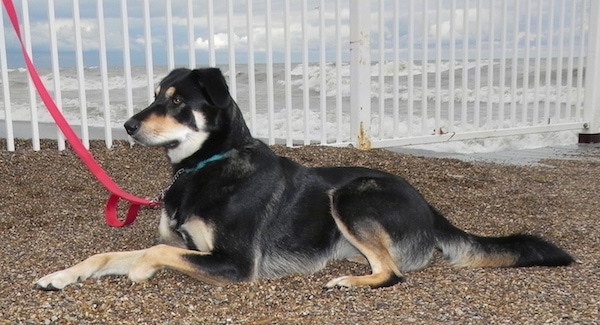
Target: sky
429, 18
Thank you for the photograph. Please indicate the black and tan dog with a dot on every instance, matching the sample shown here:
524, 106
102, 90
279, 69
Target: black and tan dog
238, 212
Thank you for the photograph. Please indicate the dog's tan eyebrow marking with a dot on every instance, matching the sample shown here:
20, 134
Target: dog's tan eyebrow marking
170, 91
157, 90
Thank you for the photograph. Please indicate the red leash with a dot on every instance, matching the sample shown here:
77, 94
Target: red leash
116, 192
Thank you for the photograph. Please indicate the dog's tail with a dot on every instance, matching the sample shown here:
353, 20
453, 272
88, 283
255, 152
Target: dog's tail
462, 249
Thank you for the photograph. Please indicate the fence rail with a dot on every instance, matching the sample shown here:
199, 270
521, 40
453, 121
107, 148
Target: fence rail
367, 73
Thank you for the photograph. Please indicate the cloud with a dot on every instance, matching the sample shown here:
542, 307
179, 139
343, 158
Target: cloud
259, 31
220, 42
465, 24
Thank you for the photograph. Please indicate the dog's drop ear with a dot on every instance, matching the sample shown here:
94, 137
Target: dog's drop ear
213, 86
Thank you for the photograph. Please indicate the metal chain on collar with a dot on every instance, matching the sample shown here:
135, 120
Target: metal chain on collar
156, 201
162, 194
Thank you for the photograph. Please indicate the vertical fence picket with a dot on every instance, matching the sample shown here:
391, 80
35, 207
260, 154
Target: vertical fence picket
126, 59
8, 120
537, 69
549, 59
525, 71
410, 66
108, 138
305, 66
380, 71
452, 67
490, 66
424, 67
251, 74
360, 71
591, 113
231, 50
323, 73
396, 73
478, 64
438, 70
269, 72
35, 127
287, 73
191, 35
338, 71
212, 58
559, 61
514, 61
465, 67
570, 64
57, 93
503, 48
85, 137
148, 52
169, 26
580, 59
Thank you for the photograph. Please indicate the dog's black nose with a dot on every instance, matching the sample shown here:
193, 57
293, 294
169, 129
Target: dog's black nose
132, 126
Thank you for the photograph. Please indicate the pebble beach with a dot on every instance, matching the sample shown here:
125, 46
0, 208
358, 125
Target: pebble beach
51, 217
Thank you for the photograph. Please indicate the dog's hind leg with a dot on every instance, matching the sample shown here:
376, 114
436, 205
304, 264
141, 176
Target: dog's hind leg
374, 243
371, 239
138, 265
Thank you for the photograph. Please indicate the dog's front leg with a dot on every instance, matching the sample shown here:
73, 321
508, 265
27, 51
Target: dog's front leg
138, 265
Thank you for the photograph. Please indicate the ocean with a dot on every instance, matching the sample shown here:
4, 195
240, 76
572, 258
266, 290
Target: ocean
483, 103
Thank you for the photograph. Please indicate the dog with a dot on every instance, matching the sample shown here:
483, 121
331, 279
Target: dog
238, 212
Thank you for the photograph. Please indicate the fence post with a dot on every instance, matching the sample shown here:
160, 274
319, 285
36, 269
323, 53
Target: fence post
360, 73
591, 104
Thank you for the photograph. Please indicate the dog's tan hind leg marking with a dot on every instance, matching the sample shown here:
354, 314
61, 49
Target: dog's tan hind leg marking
374, 243
138, 265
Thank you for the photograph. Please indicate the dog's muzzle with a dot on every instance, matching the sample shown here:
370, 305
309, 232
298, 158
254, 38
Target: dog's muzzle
132, 126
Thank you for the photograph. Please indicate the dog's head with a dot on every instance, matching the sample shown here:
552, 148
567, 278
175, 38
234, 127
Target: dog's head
192, 109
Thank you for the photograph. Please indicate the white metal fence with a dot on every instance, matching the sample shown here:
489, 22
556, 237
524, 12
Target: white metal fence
368, 73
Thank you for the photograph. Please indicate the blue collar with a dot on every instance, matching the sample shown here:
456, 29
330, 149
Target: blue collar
207, 161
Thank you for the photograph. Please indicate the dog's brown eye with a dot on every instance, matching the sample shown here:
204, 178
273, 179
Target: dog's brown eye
176, 100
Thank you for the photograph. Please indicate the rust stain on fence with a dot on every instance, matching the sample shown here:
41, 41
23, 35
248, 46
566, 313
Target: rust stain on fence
364, 142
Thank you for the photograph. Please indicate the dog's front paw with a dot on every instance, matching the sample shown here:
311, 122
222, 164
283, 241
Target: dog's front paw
57, 280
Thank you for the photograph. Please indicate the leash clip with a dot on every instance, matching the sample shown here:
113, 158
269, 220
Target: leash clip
154, 204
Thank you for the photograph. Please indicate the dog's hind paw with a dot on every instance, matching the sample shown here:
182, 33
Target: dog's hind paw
376, 280
338, 282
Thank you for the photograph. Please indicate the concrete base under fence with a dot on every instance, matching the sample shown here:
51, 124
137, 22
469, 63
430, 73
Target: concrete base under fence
23, 130
518, 157
588, 148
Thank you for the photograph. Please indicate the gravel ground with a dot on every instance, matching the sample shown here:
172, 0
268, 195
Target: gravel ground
51, 216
